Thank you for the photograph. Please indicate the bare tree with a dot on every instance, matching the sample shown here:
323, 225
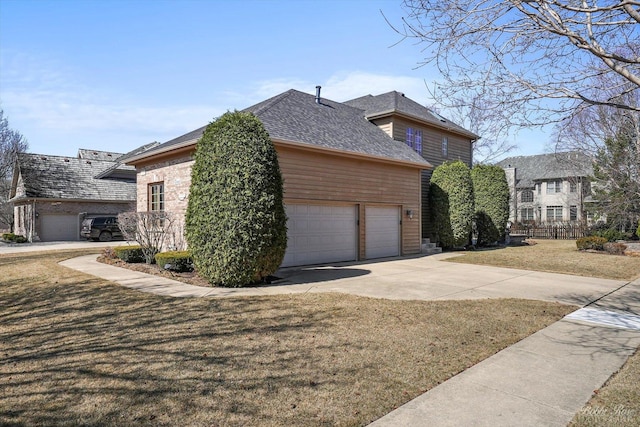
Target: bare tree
151, 230
530, 62
472, 115
11, 143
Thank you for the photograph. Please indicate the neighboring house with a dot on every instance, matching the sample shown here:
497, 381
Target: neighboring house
51, 195
549, 188
351, 191
432, 136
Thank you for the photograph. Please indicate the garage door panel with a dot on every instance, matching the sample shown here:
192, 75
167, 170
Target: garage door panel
382, 231
58, 227
320, 234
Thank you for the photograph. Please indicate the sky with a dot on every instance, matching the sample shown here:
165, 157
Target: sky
115, 75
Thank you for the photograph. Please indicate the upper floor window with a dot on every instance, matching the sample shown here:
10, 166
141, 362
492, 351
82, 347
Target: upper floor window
156, 197
526, 196
573, 186
539, 185
414, 139
554, 187
445, 146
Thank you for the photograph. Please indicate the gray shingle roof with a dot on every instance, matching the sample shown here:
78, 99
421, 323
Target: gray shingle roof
87, 154
295, 116
548, 166
396, 102
57, 177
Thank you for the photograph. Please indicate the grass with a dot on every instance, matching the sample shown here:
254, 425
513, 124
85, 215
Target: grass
77, 350
557, 256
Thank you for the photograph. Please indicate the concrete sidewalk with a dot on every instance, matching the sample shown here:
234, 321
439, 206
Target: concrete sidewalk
544, 379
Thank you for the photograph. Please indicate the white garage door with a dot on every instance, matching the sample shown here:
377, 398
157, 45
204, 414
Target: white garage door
58, 227
319, 234
383, 231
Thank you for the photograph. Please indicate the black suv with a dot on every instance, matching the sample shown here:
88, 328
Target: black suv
103, 228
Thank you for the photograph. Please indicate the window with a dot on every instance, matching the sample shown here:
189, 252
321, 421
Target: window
445, 146
414, 139
554, 187
409, 138
526, 214
539, 185
526, 196
418, 141
573, 213
156, 197
573, 186
554, 213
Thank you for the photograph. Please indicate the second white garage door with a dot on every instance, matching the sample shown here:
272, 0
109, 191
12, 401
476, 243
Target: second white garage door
320, 234
382, 231
55, 228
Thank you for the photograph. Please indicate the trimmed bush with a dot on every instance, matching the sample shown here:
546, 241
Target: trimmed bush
452, 204
13, 238
591, 242
235, 223
615, 248
179, 261
491, 193
131, 254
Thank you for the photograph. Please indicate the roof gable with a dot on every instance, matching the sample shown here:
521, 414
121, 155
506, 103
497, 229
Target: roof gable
397, 103
57, 177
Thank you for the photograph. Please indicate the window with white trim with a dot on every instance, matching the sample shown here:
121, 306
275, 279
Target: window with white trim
573, 213
554, 213
413, 138
554, 187
526, 196
445, 146
526, 214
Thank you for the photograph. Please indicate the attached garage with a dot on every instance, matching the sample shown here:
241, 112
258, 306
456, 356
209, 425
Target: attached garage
382, 231
58, 227
320, 234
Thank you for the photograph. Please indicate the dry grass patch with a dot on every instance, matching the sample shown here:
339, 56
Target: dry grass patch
556, 256
77, 350
617, 403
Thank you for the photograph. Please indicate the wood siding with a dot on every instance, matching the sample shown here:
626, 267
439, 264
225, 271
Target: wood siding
460, 148
316, 178
312, 177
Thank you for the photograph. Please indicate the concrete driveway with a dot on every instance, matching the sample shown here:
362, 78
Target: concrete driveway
409, 278
12, 248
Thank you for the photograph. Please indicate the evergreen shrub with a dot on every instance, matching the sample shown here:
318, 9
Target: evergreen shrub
452, 204
235, 222
491, 193
132, 254
180, 261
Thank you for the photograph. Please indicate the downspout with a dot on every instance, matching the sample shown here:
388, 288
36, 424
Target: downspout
33, 222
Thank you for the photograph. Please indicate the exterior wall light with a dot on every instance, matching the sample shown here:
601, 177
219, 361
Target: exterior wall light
410, 213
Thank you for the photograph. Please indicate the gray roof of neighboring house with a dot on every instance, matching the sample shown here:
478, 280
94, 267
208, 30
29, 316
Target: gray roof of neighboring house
296, 117
87, 154
396, 102
548, 166
57, 177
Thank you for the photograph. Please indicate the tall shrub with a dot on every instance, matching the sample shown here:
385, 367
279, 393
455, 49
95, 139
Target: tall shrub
235, 221
491, 193
452, 204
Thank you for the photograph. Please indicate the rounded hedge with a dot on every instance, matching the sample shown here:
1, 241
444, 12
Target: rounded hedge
491, 193
452, 204
235, 221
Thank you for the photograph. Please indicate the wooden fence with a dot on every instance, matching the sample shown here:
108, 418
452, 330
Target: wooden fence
566, 231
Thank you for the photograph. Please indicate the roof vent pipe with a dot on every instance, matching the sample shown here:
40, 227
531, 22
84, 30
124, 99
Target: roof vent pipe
318, 94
